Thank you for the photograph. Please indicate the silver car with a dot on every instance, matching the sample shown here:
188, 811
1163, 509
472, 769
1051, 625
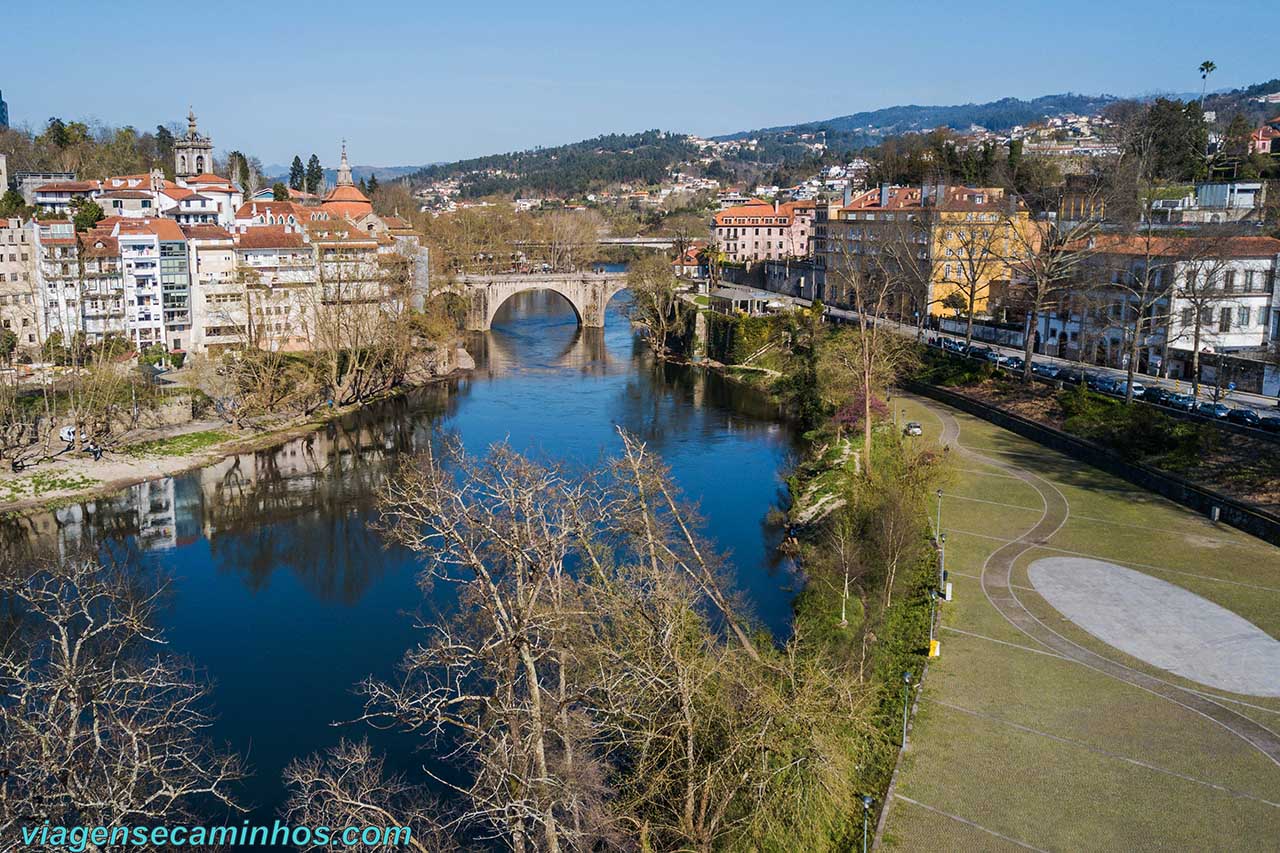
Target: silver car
913, 428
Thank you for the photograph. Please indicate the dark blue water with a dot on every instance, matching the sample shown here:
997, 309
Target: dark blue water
285, 598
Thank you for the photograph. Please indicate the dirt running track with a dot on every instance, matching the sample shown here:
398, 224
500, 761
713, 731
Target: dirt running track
997, 585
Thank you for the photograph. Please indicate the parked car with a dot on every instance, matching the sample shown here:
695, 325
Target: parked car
1012, 362
913, 428
1244, 417
1101, 384
980, 352
1211, 410
1184, 402
1074, 375
1271, 423
1045, 369
1157, 395
1122, 388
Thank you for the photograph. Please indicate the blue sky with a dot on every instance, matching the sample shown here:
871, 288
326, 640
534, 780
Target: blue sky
413, 82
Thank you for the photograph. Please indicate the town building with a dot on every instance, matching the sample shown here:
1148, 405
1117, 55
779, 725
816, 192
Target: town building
17, 285
1266, 139
4, 112
760, 230
188, 265
961, 241
1217, 294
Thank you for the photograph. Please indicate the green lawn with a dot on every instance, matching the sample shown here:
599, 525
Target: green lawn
1014, 744
43, 483
178, 445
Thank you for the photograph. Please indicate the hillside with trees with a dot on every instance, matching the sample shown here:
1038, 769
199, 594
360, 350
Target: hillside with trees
572, 169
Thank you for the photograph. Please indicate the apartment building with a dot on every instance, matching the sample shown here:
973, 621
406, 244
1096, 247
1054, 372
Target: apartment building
960, 242
760, 230
17, 285
1218, 295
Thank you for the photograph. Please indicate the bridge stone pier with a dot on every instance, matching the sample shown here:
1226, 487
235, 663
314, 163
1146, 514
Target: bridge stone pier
587, 292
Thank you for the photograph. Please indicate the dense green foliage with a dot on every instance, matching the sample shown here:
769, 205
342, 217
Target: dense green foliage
733, 338
948, 371
569, 169
1137, 432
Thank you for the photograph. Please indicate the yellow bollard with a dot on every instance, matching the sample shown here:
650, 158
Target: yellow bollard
935, 648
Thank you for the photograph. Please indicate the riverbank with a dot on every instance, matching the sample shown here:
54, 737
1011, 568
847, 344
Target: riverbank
151, 454
862, 540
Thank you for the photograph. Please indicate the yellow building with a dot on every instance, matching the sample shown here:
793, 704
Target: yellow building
950, 248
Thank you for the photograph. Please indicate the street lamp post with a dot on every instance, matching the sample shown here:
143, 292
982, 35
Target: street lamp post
937, 528
942, 559
906, 705
933, 600
866, 814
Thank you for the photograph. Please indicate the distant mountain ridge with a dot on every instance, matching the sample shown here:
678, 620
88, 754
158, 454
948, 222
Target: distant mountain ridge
278, 172
993, 115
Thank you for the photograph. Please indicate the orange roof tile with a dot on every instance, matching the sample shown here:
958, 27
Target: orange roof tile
269, 237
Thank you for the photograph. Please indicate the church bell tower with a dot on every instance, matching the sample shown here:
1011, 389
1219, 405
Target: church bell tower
193, 153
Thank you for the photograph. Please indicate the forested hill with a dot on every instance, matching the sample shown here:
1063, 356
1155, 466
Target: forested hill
995, 115
640, 158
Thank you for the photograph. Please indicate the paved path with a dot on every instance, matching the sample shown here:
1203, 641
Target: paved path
997, 573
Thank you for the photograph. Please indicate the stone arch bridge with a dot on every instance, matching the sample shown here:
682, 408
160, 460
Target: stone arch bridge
587, 292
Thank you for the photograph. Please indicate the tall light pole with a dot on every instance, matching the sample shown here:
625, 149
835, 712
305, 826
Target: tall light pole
938, 527
906, 705
942, 559
933, 600
866, 814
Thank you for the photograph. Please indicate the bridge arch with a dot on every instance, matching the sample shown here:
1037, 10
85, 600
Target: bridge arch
588, 293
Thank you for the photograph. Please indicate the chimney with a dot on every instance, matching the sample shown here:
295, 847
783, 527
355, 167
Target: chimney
884, 194
848, 195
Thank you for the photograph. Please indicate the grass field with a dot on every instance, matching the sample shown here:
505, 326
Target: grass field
1018, 745
178, 445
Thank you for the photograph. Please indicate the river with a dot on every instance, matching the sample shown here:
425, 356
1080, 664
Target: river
282, 595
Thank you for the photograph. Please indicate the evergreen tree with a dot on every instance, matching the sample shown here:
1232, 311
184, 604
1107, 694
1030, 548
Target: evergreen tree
364, 188
86, 213
279, 192
12, 205
164, 143
373, 184
297, 174
315, 174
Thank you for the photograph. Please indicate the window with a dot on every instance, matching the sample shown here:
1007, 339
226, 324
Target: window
1188, 316
1242, 316
1249, 281
1224, 320
1229, 281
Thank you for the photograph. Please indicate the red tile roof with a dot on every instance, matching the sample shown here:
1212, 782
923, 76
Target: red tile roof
1162, 246
756, 209
69, 187
206, 232
269, 237
165, 229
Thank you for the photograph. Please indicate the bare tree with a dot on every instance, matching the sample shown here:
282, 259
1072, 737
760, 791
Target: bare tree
98, 725
658, 305
1048, 259
501, 531
1203, 288
906, 258
872, 356
348, 786
980, 254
